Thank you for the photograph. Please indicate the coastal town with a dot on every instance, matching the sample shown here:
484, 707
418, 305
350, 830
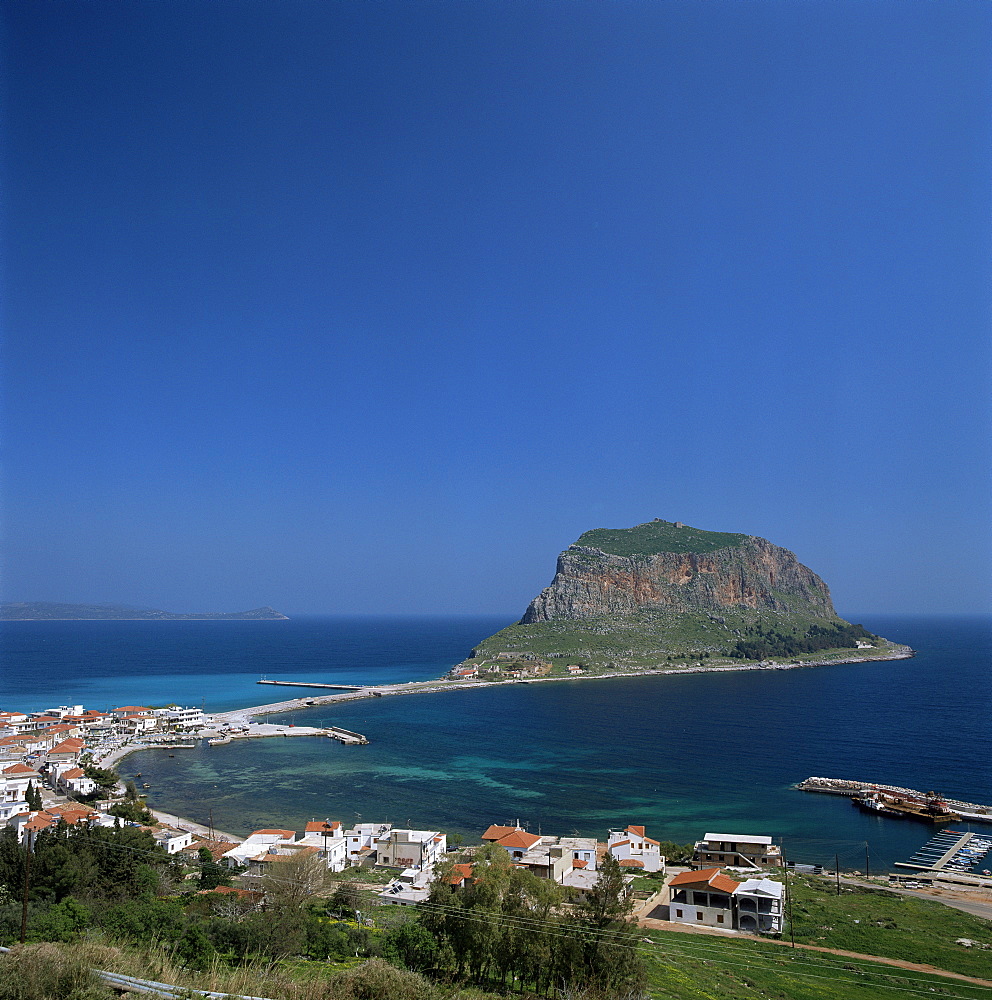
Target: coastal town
55, 768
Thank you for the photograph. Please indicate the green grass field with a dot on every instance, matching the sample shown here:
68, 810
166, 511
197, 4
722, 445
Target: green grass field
697, 967
876, 922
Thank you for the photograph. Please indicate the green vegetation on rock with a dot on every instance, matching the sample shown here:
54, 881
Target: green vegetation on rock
658, 536
665, 639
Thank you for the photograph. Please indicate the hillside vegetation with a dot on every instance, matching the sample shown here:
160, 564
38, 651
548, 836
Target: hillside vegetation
658, 536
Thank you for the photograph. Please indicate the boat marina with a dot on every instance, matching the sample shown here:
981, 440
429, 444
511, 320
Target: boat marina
952, 855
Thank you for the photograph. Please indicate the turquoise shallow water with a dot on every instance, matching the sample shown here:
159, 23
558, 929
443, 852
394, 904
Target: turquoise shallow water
683, 755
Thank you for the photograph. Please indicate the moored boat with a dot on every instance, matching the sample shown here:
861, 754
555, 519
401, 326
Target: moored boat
930, 809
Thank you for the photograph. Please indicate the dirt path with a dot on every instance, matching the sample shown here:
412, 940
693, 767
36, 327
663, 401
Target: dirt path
897, 963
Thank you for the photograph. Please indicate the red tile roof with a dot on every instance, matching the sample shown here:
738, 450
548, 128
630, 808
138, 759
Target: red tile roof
519, 840
631, 863
284, 833
19, 769
637, 831
319, 826
460, 874
40, 821
76, 772
709, 877
74, 816
579, 863
495, 832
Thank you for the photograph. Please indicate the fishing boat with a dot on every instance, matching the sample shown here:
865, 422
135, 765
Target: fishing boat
930, 809
869, 802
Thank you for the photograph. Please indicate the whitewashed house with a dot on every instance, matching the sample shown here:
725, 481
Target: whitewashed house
634, 849
410, 887
328, 837
73, 781
707, 897
702, 897
254, 844
361, 841
170, 838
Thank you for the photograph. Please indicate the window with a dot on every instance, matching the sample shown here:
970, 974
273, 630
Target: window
678, 913
719, 918
699, 915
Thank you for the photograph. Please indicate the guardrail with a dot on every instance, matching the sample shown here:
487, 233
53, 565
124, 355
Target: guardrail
149, 987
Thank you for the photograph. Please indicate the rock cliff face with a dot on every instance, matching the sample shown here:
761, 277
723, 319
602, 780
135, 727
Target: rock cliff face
668, 565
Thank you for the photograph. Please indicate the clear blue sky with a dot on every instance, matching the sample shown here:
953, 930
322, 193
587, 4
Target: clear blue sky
376, 306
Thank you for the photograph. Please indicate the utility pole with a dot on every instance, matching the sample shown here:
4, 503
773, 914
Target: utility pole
837, 871
27, 883
788, 897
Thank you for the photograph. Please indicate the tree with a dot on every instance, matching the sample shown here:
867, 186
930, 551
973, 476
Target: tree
211, 873
608, 900
132, 812
104, 777
610, 956
346, 899
194, 948
294, 881
33, 797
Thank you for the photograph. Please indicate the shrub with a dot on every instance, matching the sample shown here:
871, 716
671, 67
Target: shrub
46, 972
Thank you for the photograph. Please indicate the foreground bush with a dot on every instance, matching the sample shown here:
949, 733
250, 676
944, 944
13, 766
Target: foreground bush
48, 972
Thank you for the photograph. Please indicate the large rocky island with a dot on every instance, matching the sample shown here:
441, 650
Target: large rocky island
663, 595
47, 611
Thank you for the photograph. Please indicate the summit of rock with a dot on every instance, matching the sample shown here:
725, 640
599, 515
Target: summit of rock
667, 564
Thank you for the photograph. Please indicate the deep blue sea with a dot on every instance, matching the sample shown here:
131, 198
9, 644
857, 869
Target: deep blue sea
682, 755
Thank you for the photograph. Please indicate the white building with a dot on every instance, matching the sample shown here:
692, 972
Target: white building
702, 897
255, 844
171, 838
409, 888
634, 849
72, 780
582, 851
328, 837
181, 718
759, 905
361, 840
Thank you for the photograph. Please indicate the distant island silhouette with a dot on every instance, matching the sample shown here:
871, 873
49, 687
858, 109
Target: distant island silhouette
49, 611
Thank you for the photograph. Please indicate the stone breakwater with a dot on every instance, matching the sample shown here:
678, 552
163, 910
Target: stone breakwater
844, 786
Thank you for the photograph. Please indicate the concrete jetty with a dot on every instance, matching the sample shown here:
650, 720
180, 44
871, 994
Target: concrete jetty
972, 811
311, 684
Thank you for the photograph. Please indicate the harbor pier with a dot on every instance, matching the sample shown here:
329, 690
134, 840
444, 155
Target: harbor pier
311, 684
975, 812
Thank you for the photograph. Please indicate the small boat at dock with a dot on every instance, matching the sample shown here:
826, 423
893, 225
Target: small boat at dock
930, 809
